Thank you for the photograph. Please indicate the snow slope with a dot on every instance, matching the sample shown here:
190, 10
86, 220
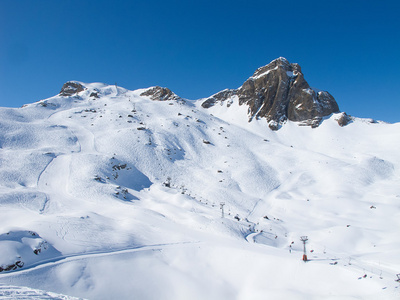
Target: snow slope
86, 175
17, 292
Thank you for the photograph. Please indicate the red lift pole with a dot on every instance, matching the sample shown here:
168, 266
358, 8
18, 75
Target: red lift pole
304, 239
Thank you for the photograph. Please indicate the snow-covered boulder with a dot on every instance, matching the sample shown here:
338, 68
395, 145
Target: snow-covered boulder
20, 249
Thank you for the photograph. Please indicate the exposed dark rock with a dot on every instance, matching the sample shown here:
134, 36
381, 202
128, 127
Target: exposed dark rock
277, 92
158, 93
344, 119
219, 97
119, 167
312, 122
16, 265
19, 264
94, 94
71, 88
273, 125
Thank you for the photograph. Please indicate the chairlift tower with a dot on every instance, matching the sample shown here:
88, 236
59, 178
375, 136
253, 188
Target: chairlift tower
304, 239
222, 209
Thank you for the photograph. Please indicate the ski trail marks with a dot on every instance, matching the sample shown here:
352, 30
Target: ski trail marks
93, 254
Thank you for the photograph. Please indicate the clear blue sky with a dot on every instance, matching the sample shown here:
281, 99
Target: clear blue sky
197, 48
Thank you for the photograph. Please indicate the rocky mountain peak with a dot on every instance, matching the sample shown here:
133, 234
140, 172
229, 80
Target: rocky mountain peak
277, 92
71, 88
158, 93
280, 62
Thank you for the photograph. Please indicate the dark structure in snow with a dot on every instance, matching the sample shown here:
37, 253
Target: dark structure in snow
158, 93
277, 92
344, 119
71, 88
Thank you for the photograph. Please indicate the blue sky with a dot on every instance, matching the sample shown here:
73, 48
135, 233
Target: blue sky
197, 48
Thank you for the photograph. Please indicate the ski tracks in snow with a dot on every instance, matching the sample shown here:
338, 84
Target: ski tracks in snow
94, 254
19, 292
250, 237
53, 180
84, 137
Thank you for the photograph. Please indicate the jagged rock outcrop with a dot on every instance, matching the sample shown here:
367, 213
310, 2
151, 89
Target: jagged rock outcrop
14, 266
94, 94
21, 247
71, 88
218, 97
277, 92
158, 93
344, 119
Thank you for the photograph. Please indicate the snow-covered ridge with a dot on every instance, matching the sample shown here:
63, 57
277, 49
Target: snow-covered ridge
122, 195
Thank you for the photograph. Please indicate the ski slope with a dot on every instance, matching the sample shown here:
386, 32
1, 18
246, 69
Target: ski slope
87, 176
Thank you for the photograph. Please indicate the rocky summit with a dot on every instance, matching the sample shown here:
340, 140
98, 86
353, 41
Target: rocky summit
71, 88
158, 93
279, 92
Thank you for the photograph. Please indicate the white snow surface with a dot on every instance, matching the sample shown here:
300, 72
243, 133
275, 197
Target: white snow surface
82, 178
18, 292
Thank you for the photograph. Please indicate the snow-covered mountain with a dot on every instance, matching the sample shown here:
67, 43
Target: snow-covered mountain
107, 193
279, 92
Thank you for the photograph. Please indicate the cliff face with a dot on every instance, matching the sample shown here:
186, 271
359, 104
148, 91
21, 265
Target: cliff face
277, 92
